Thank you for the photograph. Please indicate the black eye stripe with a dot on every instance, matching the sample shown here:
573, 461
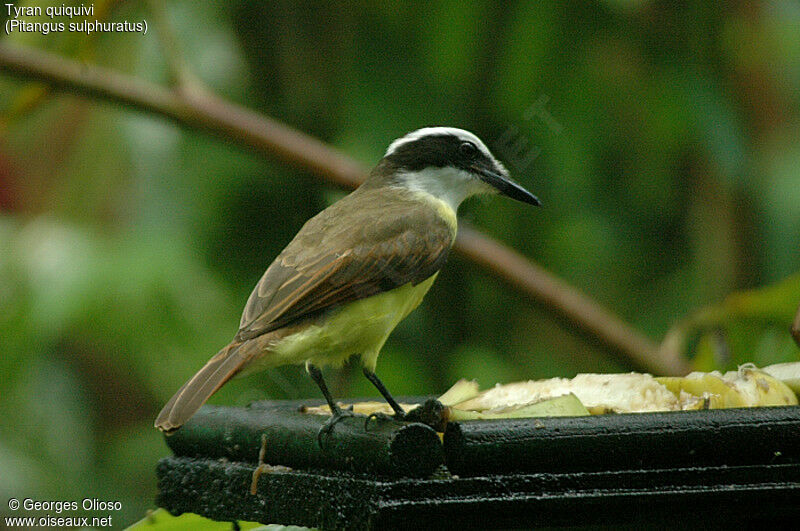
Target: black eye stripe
468, 149
436, 151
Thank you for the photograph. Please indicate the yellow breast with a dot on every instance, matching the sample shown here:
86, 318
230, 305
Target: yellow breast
360, 327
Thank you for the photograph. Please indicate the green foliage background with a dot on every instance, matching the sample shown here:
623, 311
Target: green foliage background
669, 167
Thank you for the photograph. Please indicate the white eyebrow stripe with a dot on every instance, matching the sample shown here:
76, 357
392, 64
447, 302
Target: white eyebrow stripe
434, 131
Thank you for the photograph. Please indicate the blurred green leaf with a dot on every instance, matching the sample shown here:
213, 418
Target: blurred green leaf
161, 520
748, 326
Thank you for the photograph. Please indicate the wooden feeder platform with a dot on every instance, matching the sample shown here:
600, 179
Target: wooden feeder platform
710, 468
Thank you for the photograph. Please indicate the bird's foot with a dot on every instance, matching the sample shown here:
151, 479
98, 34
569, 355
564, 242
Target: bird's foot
337, 415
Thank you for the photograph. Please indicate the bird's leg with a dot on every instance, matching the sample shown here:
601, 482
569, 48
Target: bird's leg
399, 413
337, 413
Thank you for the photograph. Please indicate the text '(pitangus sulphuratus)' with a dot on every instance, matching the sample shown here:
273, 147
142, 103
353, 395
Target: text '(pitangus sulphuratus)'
356, 269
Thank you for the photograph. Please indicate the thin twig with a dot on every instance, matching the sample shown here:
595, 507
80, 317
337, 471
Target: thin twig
796, 328
182, 77
205, 111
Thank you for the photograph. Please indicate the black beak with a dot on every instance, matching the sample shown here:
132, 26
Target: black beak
506, 186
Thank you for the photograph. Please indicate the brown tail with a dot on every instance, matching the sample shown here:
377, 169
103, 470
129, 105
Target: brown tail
205, 383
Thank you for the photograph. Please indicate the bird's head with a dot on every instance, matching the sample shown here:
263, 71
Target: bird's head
449, 163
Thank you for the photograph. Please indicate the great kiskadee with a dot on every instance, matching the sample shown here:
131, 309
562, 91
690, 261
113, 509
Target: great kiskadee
356, 269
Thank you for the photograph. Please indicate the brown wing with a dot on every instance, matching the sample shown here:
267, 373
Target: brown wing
342, 255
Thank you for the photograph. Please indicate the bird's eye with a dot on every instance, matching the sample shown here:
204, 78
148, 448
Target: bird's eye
468, 149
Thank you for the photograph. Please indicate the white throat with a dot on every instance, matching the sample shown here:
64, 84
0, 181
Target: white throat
447, 184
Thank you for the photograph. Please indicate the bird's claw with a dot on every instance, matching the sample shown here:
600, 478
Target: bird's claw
327, 428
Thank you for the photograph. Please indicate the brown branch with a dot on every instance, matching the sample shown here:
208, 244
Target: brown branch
205, 111
796, 328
